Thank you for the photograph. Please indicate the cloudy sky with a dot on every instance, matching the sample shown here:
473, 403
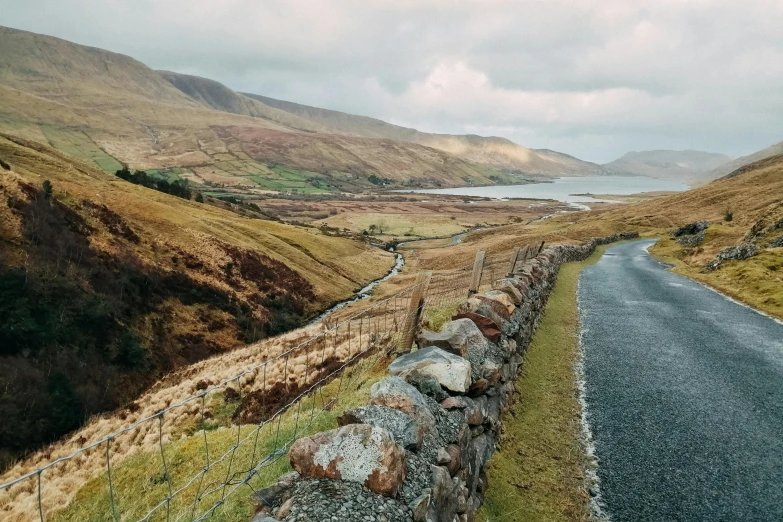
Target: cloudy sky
593, 78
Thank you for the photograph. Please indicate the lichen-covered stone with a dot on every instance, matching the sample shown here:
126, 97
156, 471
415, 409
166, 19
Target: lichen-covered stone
503, 298
460, 337
357, 453
405, 430
395, 393
428, 386
475, 305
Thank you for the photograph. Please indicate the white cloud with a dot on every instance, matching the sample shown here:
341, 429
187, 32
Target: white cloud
589, 77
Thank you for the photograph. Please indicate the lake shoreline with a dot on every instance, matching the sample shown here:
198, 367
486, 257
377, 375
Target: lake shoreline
571, 190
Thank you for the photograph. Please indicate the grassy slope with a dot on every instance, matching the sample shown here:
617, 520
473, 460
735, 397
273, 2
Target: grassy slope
495, 152
186, 458
136, 116
108, 285
538, 472
336, 266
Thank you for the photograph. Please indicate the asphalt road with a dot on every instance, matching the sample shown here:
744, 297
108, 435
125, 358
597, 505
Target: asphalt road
684, 392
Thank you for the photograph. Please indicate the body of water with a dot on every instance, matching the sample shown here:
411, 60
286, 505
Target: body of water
565, 189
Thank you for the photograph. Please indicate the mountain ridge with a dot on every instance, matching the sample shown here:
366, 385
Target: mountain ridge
495, 151
686, 165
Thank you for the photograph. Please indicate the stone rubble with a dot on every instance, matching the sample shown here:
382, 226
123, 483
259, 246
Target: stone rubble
735, 253
452, 392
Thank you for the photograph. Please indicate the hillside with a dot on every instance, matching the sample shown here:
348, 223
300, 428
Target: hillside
108, 109
752, 195
684, 165
495, 152
105, 285
733, 165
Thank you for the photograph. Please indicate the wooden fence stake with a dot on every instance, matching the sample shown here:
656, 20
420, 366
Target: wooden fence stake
414, 311
478, 268
513, 262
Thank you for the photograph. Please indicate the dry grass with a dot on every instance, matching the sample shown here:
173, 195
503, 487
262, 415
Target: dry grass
292, 361
335, 266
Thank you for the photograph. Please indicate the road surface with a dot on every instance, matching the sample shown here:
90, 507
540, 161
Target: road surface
684, 393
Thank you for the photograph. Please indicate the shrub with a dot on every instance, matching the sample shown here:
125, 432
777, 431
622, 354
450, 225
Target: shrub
47, 189
728, 215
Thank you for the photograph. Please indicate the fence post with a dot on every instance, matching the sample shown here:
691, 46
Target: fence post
478, 268
540, 248
414, 311
513, 261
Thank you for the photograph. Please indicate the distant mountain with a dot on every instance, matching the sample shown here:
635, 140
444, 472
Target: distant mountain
738, 163
495, 152
685, 165
217, 96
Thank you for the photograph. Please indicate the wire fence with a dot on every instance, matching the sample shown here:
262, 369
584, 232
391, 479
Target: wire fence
187, 460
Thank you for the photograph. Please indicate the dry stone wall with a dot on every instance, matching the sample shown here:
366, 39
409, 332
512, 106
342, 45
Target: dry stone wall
418, 451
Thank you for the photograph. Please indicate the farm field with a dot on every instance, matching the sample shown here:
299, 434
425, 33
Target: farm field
77, 144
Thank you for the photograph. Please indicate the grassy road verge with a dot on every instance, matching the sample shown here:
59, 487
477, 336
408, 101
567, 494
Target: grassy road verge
538, 472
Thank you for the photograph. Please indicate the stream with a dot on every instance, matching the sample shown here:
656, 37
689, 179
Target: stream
364, 293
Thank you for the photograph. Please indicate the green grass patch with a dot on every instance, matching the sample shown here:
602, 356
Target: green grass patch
435, 317
171, 175
227, 452
538, 472
77, 144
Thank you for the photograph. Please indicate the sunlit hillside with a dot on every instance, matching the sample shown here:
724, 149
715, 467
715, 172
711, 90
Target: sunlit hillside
106, 285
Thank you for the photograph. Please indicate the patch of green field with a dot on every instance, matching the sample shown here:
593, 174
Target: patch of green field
538, 472
210, 454
171, 175
293, 174
77, 144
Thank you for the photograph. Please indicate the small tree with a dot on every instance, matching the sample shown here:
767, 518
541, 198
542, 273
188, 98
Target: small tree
199, 198
47, 189
728, 215
373, 228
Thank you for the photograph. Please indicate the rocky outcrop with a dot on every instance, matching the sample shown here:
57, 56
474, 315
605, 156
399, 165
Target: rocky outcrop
735, 253
453, 390
691, 240
691, 229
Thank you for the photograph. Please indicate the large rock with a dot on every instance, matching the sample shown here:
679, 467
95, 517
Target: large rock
503, 298
509, 286
461, 337
443, 506
478, 306
735, 253
497, 307
489, 328
405, 430
356, 453
691, 228
395, 393
451, 371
